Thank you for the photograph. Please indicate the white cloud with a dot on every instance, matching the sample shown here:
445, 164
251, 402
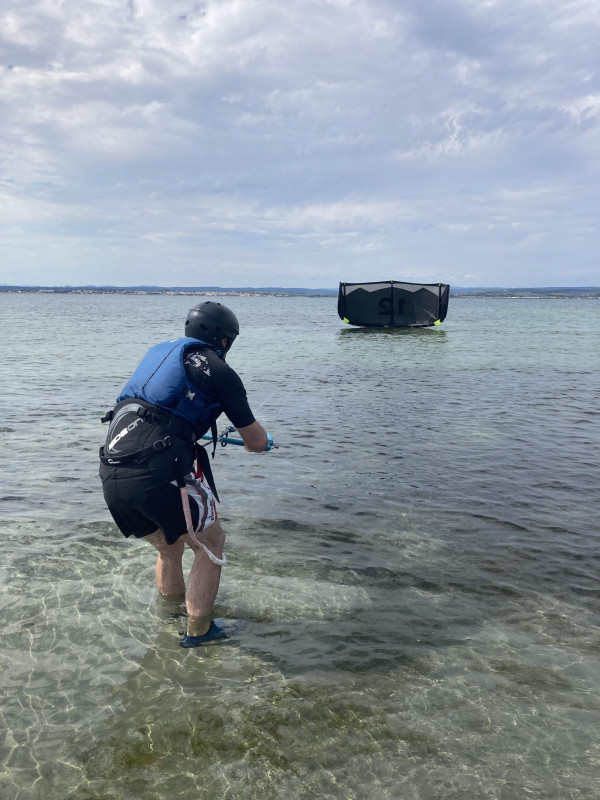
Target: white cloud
303, 140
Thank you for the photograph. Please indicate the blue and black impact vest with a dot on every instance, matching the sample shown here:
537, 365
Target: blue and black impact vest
161, 380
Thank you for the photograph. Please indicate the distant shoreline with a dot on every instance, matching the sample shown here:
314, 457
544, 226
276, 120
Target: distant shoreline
579, 293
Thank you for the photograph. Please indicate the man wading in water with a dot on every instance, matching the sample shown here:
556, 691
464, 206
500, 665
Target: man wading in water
147, 469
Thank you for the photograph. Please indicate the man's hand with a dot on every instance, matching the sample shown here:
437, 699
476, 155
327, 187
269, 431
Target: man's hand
254, 437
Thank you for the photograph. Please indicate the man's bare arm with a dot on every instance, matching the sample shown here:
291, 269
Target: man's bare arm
255, 437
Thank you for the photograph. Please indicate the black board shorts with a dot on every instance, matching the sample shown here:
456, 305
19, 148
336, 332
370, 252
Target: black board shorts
143, 498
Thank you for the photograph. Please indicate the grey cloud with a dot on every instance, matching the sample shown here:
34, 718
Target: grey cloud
224, 127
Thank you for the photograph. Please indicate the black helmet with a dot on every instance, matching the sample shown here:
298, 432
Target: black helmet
210, 322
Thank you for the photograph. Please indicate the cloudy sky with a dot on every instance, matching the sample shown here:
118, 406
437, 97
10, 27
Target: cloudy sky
299, 142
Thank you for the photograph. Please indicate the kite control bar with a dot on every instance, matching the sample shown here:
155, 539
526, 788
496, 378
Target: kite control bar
224, 439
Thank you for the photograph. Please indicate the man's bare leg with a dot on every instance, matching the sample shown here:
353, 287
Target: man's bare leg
203, 581
169, 570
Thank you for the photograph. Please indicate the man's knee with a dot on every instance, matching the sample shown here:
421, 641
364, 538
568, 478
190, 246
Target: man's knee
166, 550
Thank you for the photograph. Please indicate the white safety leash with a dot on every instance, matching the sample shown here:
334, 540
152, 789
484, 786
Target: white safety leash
187, 513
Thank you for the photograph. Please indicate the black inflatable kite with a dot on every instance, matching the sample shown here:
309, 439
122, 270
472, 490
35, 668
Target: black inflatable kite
393, 304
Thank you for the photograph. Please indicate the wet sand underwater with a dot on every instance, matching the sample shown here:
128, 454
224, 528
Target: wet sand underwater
412, 578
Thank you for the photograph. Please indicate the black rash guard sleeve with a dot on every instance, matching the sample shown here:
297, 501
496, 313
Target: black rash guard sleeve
216, 378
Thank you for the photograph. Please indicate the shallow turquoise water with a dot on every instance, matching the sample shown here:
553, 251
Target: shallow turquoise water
412, 577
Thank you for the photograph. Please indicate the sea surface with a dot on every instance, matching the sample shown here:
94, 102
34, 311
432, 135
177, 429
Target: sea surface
413, 577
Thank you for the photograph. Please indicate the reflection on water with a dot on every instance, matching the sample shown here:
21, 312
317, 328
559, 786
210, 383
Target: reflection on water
381, 333
412, 577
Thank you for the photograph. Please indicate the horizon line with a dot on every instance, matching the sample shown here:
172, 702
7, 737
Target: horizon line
265, 288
